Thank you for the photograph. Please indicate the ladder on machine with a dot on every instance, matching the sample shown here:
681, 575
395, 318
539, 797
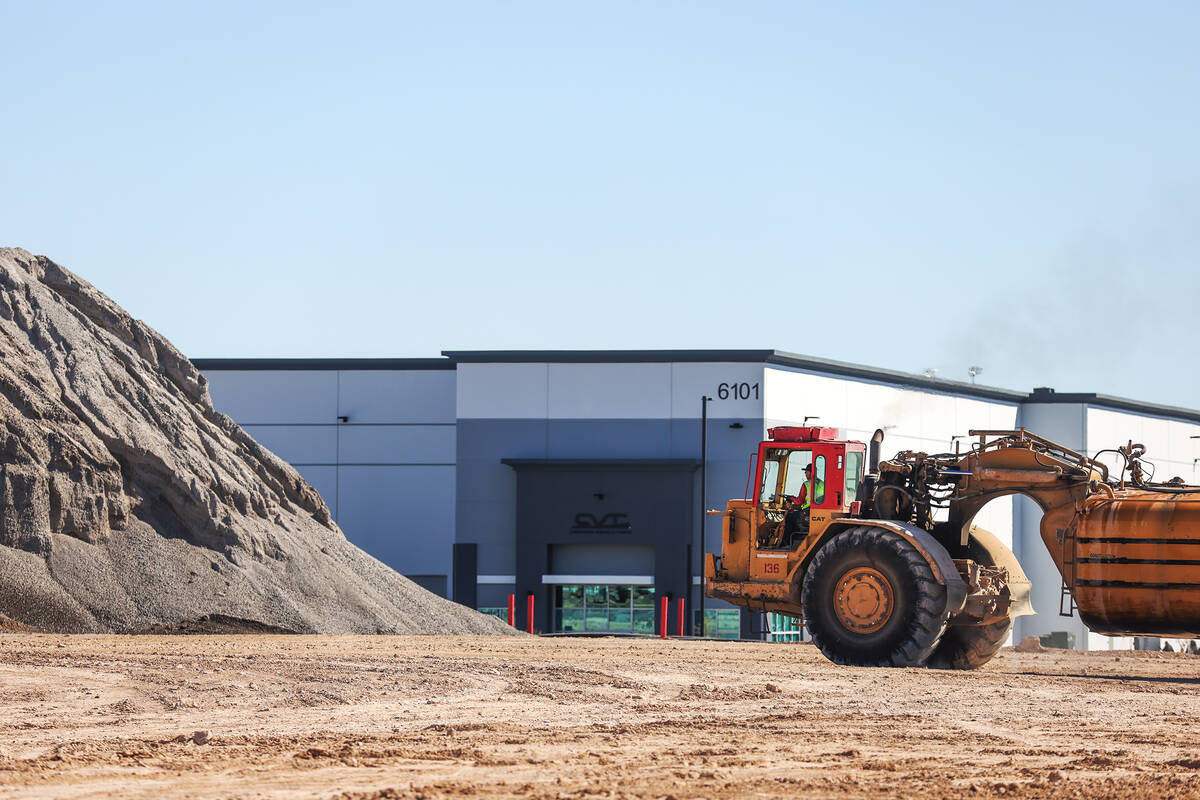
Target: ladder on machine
1066, 597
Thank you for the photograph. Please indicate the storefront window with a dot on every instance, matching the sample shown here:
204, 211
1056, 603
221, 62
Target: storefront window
604, 609
720, 623
572, 597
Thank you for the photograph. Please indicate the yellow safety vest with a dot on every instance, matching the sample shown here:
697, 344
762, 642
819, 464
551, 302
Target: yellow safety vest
808, 494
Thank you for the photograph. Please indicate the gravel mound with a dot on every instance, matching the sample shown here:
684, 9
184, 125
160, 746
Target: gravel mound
214, 624
128, 503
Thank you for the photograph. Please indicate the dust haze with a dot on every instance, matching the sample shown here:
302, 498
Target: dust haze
1111, 312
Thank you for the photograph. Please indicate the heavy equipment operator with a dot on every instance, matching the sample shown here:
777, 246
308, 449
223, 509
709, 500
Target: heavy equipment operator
796, 520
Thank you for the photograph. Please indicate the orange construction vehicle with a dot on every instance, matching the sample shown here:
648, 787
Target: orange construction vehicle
882, 562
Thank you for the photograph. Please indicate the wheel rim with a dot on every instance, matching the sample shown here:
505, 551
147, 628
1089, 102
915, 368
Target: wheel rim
863, 600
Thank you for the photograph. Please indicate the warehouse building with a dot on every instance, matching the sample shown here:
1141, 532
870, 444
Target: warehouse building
575, 477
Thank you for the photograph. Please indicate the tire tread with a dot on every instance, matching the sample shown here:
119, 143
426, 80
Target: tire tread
929, 605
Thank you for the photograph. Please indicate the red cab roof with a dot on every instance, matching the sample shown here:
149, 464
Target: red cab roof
806, 434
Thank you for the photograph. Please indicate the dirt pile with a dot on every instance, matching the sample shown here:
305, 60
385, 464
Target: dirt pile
514, 718
128, 502
1030, 644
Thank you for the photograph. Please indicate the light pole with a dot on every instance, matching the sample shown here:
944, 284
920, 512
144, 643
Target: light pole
703, 500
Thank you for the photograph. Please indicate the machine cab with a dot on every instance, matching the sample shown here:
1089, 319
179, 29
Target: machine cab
828, 490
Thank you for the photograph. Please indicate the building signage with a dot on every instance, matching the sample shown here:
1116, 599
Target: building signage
608, 523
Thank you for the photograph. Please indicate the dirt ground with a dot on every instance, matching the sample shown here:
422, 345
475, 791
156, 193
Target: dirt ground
428, 717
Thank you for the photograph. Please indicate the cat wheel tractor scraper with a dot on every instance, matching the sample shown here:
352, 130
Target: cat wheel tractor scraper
885, 567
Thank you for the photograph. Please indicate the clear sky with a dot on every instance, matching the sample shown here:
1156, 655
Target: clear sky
901, 185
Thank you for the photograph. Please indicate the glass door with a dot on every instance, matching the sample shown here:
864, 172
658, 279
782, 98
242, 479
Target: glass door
603, 608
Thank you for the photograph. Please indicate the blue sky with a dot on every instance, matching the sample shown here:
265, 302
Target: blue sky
936, 185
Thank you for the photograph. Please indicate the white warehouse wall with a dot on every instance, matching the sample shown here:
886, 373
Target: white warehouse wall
911, 419
1170, 445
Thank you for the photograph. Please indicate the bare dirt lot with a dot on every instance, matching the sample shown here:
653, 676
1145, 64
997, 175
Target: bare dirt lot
384, 717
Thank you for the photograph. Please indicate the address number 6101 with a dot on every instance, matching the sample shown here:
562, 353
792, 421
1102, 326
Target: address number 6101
737, 391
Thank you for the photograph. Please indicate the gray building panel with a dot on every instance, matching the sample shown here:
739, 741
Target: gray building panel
724, 442
323, 478
298, 444
396, 444
434, 583
492, 596
502, 438
609, 438
574, 558
487, 490
404, 396
486, 480
493, 526
400, 515
207, 365
277, 397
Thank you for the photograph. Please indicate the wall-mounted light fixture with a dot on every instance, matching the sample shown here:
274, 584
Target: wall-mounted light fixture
343, 419
736, 425
598, 495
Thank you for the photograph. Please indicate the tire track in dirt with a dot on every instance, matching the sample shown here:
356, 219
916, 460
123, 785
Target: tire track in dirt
378, 717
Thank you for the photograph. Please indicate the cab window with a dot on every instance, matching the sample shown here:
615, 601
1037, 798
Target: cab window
819, 480
770, 480
854, 469
797, 461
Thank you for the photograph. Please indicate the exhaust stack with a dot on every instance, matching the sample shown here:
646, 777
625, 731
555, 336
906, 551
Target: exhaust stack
873, 454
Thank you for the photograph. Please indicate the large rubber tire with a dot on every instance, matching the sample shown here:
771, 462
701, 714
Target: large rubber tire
917, 602
970, 646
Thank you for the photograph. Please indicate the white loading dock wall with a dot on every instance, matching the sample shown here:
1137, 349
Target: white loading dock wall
375, 437
912, 419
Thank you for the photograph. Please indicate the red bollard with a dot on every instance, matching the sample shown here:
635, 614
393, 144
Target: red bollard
666, 607
681, 615
512, 610
529, 613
